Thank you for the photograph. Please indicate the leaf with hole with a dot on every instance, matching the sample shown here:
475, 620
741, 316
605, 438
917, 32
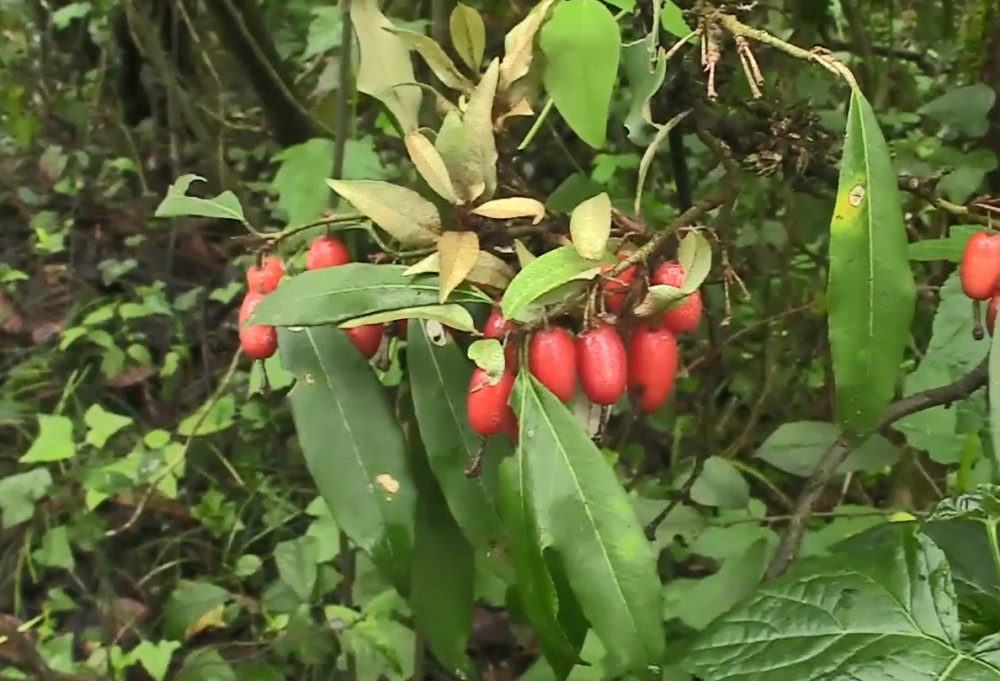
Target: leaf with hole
645, 67
403, 213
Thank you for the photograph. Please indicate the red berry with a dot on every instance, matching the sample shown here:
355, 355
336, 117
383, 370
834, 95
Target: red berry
250, 303
499, 328
616, 289
265, 279
552, 360
686, 317
652, 366
366, 338
980, 268
259, 342
602, 363
327, 251
991, 312
402, 325
489, 412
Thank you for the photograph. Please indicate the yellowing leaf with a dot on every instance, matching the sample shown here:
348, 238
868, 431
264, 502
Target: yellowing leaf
519, 44
468, 35
441, 64
460, 158
511, 208
695, 257
489, 270
449, 314
590, 226
385, 72
478, 122
459, 252
212, 619
402, 212
430, 165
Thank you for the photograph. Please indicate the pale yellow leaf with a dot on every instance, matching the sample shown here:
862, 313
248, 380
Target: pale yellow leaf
460, 158
590, 226
521, 107
511, 208
468, 35
489, 270
430, 165
459, 252
402, 212
428, 265
519, 44
524, 256
478, 123
212, 619
385, 71
441, 64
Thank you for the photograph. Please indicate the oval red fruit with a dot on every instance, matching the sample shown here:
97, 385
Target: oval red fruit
602, 363
250, 303
616, 289
686, 317
259, 342
499, 328
265, 278
652, 366
980, 267
487, 406
327, 251
991, 312
366, 338
402, 326
552, 360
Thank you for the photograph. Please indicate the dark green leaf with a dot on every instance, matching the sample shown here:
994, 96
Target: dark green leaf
176, 203
871, 291
582, 513
296, 560
337, 294
302, 192
797, 447
645, 68
353, 446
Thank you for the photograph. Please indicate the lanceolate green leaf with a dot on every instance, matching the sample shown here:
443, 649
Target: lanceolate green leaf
582, 512
353, 446
871, 291
547, 273
439, 380
337, 294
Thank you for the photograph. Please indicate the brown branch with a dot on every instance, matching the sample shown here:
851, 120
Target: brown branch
791, 539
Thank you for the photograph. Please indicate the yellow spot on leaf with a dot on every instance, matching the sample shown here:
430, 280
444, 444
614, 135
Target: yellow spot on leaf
387, 482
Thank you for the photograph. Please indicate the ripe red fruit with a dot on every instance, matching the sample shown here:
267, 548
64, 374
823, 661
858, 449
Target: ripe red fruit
265, 278
250, 303
489, 412
327, 251
652, 366
616, 289
980, 267
552, 360
366, 338
602, 363
259, 342
402, 325
686, 317
498, 327
991, 312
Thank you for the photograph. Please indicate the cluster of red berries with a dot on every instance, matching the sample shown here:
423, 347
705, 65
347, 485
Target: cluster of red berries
979, 272
605, 363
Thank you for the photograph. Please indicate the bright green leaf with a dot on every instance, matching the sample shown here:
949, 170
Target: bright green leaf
302, 194
487, 354
212, 417
155, 656
19, 492
176, 203
54, 441
949, 248
102, 424
55, 550
673, 19
545, 274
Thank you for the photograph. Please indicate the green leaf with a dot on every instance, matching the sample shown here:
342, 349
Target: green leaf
102, 424
547, 273
189, 604
582, 47
353, 446
646, 162
590, 226
302, 193
20, 492
468, 35
965, 110
720, 484
994, 398
211, 417
455, 316
296, 561
949, 248
487, 354
871, 291
54, 441
695, 257
334, 295
583, 514
645, 68
673, 19
797, 447
247, 565
176, 203
437, 59
660, 298
887, 614
155, 657
55, 550
439, 381
478, 124
403, 213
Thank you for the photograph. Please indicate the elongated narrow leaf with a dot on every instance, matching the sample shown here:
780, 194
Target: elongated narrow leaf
439, 381
441, 64
582, 513
430, 165
519, 44
695, 257
459, 252
536, 591
460, 157
511, 208
452, 315
871, 291
353, 446
468, 35
478, 124
590, 226
402, 212
334, 295
547, 273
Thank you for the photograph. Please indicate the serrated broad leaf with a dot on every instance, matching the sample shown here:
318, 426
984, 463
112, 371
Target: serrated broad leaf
511, 208
430, 165
487, 354
468, 35
353, 446
590, 226
660, 298
489, 270
871, 294
334, 295
547, 273
432, 53
402, 212
452, 315
650, 153
385, 71
459, 252
584, 515
519, 45
460, 158
582, 47
177, 203
695, 257
889, 613
478, 124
